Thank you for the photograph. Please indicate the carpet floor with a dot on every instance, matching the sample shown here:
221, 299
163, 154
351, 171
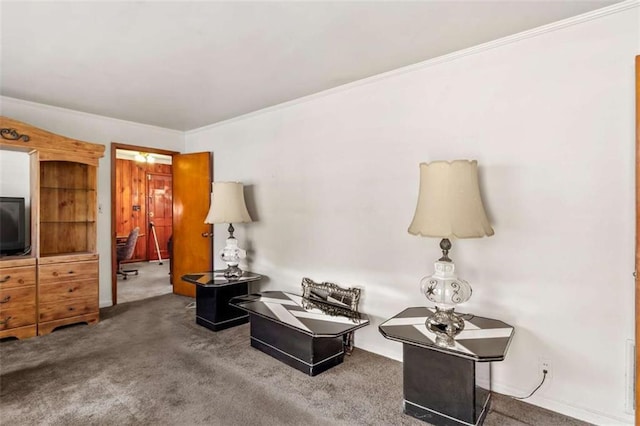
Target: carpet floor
152, 280
148, 363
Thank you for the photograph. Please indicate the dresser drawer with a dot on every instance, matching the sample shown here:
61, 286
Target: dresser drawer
17, 296
17, 277
67, 290
58, 272
14, 315
57, 310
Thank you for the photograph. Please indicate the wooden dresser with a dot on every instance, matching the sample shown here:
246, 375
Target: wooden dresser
59, 284
67, 291
18, 297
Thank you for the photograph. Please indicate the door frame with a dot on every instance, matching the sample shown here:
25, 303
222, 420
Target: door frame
115, 146
637, 265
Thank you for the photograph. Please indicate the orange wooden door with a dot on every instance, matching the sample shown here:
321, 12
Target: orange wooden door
192, 175
160, 213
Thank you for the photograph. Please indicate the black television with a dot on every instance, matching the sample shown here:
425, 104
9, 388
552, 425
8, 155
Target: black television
12, 225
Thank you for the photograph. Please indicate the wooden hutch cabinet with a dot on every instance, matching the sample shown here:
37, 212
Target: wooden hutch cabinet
59, 280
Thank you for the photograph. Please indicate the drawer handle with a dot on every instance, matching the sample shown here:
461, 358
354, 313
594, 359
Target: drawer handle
5, 279
5, 321
6, 299
71, 308
70, 290
70, 272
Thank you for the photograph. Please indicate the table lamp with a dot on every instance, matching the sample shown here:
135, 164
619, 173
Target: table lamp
228, 206
449, 206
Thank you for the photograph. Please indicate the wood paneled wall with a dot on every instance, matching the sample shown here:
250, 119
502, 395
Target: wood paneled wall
131, 206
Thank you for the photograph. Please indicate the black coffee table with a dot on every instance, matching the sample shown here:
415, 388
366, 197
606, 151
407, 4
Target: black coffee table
304, 334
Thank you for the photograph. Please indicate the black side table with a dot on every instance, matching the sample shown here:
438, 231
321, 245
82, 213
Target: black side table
213, 292
447, 385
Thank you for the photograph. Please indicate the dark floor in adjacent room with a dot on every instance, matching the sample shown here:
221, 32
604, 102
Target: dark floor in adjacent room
147, 362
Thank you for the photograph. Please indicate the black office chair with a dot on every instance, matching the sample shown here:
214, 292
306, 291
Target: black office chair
125, 252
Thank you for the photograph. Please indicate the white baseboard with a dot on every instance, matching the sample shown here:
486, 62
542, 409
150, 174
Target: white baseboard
561, 407
580, 413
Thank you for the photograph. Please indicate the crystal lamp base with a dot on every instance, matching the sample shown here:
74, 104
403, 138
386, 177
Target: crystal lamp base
232, 271
231, 255
445, 324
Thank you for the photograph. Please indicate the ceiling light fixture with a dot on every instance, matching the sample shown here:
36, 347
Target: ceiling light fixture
144, 157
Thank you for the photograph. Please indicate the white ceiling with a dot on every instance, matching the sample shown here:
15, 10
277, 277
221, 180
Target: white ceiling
184, 65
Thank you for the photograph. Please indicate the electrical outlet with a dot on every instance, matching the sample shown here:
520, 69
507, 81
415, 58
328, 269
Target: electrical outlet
545, 364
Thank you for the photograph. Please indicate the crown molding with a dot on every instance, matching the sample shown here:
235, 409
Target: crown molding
4, 98
535, 32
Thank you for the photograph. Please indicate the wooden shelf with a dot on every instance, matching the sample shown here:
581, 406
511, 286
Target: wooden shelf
79, 256
16, 260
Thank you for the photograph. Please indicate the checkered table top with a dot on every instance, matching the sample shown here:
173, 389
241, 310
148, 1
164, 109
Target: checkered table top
217, 278
295, 312
483, 339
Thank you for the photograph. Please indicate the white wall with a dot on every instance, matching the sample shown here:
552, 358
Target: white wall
96, 129
14, 181
550, 118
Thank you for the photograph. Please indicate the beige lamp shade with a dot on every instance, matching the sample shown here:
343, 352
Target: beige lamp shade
449, 202
227, 203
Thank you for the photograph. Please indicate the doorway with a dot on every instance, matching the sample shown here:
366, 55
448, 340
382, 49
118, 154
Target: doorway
141, 192
175, 229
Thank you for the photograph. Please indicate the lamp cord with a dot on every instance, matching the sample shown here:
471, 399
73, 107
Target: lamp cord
544, 372
544, 376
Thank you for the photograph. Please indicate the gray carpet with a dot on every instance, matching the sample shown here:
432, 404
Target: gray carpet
147, 362
152, 280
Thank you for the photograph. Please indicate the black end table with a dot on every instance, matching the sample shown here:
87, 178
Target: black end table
447, 385
213, 292
304, 334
